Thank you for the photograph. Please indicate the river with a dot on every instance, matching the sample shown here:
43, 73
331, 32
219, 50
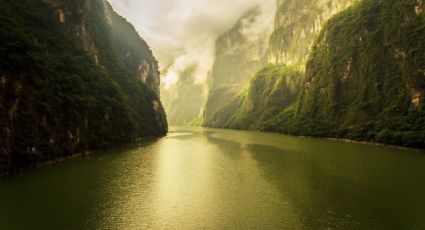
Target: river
198, 178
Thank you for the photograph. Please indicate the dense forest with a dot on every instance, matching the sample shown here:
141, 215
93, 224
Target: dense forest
363, 77
74, 77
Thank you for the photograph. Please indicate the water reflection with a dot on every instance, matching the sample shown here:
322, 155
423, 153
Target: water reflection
209, 182
332, 194
307, 187
206, 178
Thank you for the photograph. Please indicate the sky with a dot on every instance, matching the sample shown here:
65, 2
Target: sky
182, 33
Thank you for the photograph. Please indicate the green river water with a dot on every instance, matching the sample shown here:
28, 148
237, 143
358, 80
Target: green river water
197, 178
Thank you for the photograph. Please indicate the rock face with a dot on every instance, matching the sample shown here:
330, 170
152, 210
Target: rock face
365, 77
239, 55
362, 74
297, 24
271, 89
74, 77
240, 52
130, 49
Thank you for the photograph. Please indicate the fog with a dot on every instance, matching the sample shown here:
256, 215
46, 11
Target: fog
182, 33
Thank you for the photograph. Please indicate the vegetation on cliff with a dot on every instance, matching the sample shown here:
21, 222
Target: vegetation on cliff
364, 80
296, 25
64, 87
238, 57
270, 90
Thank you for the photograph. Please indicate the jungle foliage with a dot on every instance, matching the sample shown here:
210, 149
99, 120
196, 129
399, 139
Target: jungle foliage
364, 80
55, 100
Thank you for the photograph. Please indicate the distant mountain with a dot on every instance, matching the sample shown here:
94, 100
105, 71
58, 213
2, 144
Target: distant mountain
360, 75
237, 58
74, 76
239, 53
183, 101
297, 23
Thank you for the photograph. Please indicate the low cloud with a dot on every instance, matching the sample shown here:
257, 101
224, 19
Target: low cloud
182, 33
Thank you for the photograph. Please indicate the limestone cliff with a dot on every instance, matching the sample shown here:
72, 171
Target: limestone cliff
297, 23
129, 47
365, 78
240, 52
363, 74
239, 55
271, 89
74, 77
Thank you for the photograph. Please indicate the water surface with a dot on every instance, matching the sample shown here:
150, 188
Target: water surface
221, 179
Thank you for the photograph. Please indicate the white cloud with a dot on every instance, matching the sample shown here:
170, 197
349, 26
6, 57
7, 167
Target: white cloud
182, 33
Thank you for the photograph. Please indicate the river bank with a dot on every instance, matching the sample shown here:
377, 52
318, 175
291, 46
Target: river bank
53, 161
373, 143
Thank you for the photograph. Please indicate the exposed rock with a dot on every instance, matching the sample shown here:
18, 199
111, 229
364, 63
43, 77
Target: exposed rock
418, 10
156, 105
144, 69
297, 23
272, 88
61, 15
60, 103
380, 89
347, 71
399, 53
108, 12
96, 59
238, 57
416, 98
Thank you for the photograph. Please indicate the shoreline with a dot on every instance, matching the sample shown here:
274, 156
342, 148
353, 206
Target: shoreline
62, 159
47, 163
51, 162
345, 140
372, 143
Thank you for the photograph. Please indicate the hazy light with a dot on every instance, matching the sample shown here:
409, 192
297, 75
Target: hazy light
170, 79
182, 33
